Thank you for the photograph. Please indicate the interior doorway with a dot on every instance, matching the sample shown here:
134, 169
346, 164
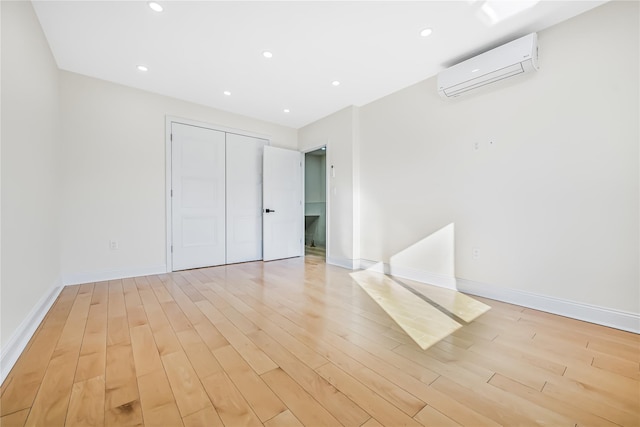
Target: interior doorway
315, 203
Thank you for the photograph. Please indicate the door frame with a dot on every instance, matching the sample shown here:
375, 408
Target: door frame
168, 171
327, 195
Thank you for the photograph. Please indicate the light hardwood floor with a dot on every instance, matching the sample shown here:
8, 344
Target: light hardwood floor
296, 342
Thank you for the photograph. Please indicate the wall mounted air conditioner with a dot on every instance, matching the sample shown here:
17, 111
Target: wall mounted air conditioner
516, 57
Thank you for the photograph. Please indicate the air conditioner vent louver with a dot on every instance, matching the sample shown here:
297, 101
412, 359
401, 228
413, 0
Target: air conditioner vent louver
516, 57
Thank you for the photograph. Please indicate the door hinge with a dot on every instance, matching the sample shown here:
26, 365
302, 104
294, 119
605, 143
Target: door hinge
171, 137
171, 248
172, 192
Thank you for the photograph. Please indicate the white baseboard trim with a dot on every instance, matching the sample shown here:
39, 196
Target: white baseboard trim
349, 264
20, 338
421, 276
101, 276
617, 319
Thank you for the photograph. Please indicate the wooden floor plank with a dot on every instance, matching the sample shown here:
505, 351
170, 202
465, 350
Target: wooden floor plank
145, 351
630, 352
618, 385
516, 353
546, 349
259, 396
454, 371
206, 417
498, 405
417, 386
429, 416
15, 419
200, 356
22, 384
598, 402
284, 419
229, 403
86, 407
581, 415
336, 402
131, 295
272, 323
163, 333
52, 401
211, 336
186, 304
122, 399
590, 330
367, 399
385, 388
424, 374
178, 320
255, 357
372, 423
187, 389
300, 403
93, 352
617, 366
157, 400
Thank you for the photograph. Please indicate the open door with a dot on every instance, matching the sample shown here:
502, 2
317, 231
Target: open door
282, 203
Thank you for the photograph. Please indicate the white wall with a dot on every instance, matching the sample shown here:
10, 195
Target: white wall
552, 207
114, 174
339, 133
30, 191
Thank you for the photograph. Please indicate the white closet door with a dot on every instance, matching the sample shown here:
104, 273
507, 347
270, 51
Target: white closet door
244, 198
282, 194
198, 202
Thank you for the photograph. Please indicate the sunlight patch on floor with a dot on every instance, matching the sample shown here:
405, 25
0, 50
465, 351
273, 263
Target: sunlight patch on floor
459, 304
419, 316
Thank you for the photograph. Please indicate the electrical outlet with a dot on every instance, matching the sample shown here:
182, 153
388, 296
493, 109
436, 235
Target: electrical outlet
475, 253
476, 146
491, 144
113, 245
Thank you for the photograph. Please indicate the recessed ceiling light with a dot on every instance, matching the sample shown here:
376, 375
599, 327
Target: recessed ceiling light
475, 70
155, 6
286, 110
267, 54
142, 68
335, 83
226, 92
426, 32
323, 148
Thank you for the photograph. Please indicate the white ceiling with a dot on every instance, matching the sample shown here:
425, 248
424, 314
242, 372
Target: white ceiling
196, 50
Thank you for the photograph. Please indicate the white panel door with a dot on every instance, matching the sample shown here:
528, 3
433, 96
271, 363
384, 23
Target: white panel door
244, 198
282, 203
198, 202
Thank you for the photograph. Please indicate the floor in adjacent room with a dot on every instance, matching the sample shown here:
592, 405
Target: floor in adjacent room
297, 342
315, 251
